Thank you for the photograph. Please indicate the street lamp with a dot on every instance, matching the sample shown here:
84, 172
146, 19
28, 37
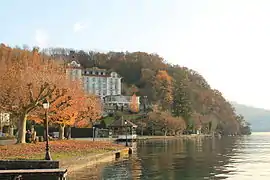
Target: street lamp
126, 133
144, 103
46, 106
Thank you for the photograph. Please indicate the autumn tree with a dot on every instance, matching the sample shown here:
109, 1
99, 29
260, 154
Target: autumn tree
163, 89
90, 112
134, 106
177, 125
166, 122
26, 80
64, 108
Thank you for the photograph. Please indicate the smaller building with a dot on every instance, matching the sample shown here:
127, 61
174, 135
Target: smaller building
123, 129
118, 102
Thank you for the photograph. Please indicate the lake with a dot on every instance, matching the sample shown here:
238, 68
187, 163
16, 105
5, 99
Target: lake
237, 158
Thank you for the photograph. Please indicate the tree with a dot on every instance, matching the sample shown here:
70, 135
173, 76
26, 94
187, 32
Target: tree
177, 125
244, 126
64, 110
166, 122
181, 103
163, 89
134, 106
25, 81
90, 112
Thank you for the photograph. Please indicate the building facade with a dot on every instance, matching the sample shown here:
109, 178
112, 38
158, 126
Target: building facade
95, 81
101, 82
118, 102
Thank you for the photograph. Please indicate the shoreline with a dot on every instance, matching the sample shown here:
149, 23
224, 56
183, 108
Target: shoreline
139, 138
80, 146
78, 163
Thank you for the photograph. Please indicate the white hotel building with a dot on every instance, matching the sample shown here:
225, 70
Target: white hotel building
96, 81
103, 83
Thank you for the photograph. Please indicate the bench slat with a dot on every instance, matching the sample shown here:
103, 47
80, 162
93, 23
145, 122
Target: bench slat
34, 171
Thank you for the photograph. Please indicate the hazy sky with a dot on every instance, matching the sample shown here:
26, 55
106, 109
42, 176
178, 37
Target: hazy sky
227, 41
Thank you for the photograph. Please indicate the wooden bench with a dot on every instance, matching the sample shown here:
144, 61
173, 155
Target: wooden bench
31, 170
18, 174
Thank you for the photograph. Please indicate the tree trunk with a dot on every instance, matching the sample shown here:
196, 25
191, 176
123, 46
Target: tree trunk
22, 129
61, 131
69, 132
11, 131
165, 132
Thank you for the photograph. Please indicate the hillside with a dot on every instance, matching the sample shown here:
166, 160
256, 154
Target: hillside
178, 98
257, 117
172, 88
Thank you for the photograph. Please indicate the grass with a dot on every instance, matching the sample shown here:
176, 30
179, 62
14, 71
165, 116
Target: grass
64, 149
108, 120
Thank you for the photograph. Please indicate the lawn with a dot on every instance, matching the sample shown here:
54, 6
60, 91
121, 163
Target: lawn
108, 120
63, 149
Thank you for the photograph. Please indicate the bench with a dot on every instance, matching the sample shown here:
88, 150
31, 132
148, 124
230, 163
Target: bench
18, 174
31, 169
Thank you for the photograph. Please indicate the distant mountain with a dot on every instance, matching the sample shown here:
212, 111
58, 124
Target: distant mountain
257, 117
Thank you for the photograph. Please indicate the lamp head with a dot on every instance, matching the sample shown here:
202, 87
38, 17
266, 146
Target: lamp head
46, 104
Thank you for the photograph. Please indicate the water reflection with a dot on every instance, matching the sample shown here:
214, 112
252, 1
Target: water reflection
226, 158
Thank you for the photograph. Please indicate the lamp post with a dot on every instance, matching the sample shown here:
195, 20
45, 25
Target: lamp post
144, 103
126, 133
93, 133
46, 106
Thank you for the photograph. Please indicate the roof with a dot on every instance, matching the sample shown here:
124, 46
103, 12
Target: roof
96, 69
121, 122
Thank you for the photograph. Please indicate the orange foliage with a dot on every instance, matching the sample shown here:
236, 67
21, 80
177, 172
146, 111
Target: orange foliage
89, 112
65, 109
166, 122
134, 106
26, 79
164, 88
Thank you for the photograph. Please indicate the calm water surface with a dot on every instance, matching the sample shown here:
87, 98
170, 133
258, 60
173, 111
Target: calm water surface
237, 158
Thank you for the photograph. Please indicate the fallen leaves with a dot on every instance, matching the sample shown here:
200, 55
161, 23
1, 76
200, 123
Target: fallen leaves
58, 149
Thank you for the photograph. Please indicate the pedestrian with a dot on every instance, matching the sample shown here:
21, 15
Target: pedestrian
28, 136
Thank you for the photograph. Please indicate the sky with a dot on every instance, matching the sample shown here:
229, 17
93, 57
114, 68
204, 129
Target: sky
227, 41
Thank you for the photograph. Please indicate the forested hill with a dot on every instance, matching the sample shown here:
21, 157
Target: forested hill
257, 117
177, 89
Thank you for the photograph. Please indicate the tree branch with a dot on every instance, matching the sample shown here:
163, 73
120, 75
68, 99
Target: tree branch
31, 94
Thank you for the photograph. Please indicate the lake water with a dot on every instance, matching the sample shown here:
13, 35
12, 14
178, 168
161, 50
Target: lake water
237, 158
